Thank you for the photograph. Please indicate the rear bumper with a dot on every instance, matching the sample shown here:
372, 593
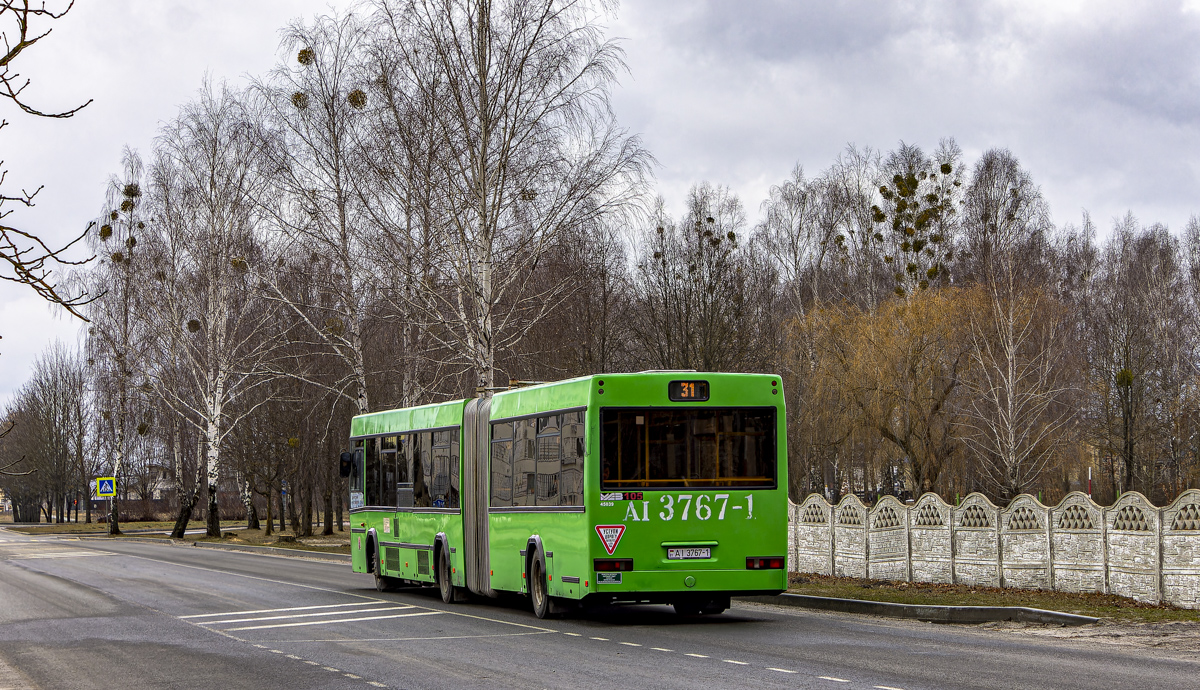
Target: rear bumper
670, 585
691, 595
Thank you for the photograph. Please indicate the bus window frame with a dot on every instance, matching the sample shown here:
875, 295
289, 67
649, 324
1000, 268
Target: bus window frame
358, 443
534, 415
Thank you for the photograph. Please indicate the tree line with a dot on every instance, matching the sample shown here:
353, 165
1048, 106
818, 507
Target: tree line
427, 199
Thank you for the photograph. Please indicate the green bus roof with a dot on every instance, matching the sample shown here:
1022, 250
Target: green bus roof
554, 395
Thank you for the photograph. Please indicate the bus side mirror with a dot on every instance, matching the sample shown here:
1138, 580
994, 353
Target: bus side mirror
347, 464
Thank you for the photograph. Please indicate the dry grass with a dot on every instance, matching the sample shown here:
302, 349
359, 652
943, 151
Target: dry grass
126, 527
1106, 606
338, 542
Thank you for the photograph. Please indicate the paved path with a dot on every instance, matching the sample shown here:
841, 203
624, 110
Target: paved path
83, 614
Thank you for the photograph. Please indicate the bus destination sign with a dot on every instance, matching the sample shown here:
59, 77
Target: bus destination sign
687, 391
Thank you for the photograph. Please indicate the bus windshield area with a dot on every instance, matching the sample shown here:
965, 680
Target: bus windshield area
687, 447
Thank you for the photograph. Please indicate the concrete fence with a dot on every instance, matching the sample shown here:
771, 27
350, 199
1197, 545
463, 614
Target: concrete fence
1131, 548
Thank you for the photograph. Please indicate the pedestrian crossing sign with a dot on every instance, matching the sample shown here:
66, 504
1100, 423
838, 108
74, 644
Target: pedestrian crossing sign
106, 487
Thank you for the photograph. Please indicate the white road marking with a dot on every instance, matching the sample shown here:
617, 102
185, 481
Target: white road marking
340, 620
698, 656
631, 644
836, 680
662, 649
781, 670
306, 615
351, 675
573, 634
413, 639
330, 668
378, 685
56, 554
887, 687
602, 639
311, 663
731, 661
294, 608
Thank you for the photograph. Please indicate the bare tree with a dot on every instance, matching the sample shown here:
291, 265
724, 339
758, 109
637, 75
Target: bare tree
205, 317
518, 94
29, 258
701, 293
1021, 405
115, 339
310, 108
1004, 221
1141, 332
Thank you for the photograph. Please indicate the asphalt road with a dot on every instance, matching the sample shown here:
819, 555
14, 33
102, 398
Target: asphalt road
127, 615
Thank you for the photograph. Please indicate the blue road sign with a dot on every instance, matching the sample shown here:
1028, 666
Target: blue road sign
106, 486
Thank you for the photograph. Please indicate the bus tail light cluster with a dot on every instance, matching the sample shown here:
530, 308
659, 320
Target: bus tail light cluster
768, 563
610, 565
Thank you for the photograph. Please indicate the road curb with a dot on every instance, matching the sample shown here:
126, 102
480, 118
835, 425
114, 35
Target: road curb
266, 550
936, 614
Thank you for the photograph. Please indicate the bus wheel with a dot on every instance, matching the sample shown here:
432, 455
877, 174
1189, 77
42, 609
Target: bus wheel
445, 584
538, 592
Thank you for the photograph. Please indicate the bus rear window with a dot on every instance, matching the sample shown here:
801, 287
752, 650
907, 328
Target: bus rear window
677, 448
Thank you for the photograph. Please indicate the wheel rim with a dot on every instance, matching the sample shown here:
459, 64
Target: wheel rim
539, 593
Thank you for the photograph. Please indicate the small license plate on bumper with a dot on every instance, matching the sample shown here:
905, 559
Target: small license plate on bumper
689, 552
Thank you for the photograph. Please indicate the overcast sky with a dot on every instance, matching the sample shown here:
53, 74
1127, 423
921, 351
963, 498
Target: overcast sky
1099, 100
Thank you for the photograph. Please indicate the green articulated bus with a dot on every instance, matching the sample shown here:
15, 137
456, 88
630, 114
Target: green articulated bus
659, 487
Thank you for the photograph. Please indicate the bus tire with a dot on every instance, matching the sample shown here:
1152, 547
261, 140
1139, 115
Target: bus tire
444, 582
539, 592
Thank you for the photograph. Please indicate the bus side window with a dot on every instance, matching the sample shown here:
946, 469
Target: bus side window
356, 476
388, 466
572, 459
452, 502
404, 487
371, 491
549, 465
502, 467
440, 484
525, 462
422, 469
404, 459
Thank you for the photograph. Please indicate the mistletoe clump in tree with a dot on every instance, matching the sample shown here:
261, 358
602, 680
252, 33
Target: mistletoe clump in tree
916, 217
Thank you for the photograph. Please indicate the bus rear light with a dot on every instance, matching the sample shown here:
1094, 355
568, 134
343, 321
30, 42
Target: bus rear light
608, 565
769, 563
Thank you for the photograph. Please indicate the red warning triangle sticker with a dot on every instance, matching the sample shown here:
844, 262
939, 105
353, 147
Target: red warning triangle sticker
610, 535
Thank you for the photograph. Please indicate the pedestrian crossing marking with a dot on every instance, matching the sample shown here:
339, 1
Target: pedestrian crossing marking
293, 608
302, 615
341, 620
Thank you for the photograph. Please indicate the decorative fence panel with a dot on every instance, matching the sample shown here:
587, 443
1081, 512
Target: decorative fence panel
1025, 544
1077, 543
977, 542
850, 546
931, 550
814, 536
888, 540
1131, 548
1181, 550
